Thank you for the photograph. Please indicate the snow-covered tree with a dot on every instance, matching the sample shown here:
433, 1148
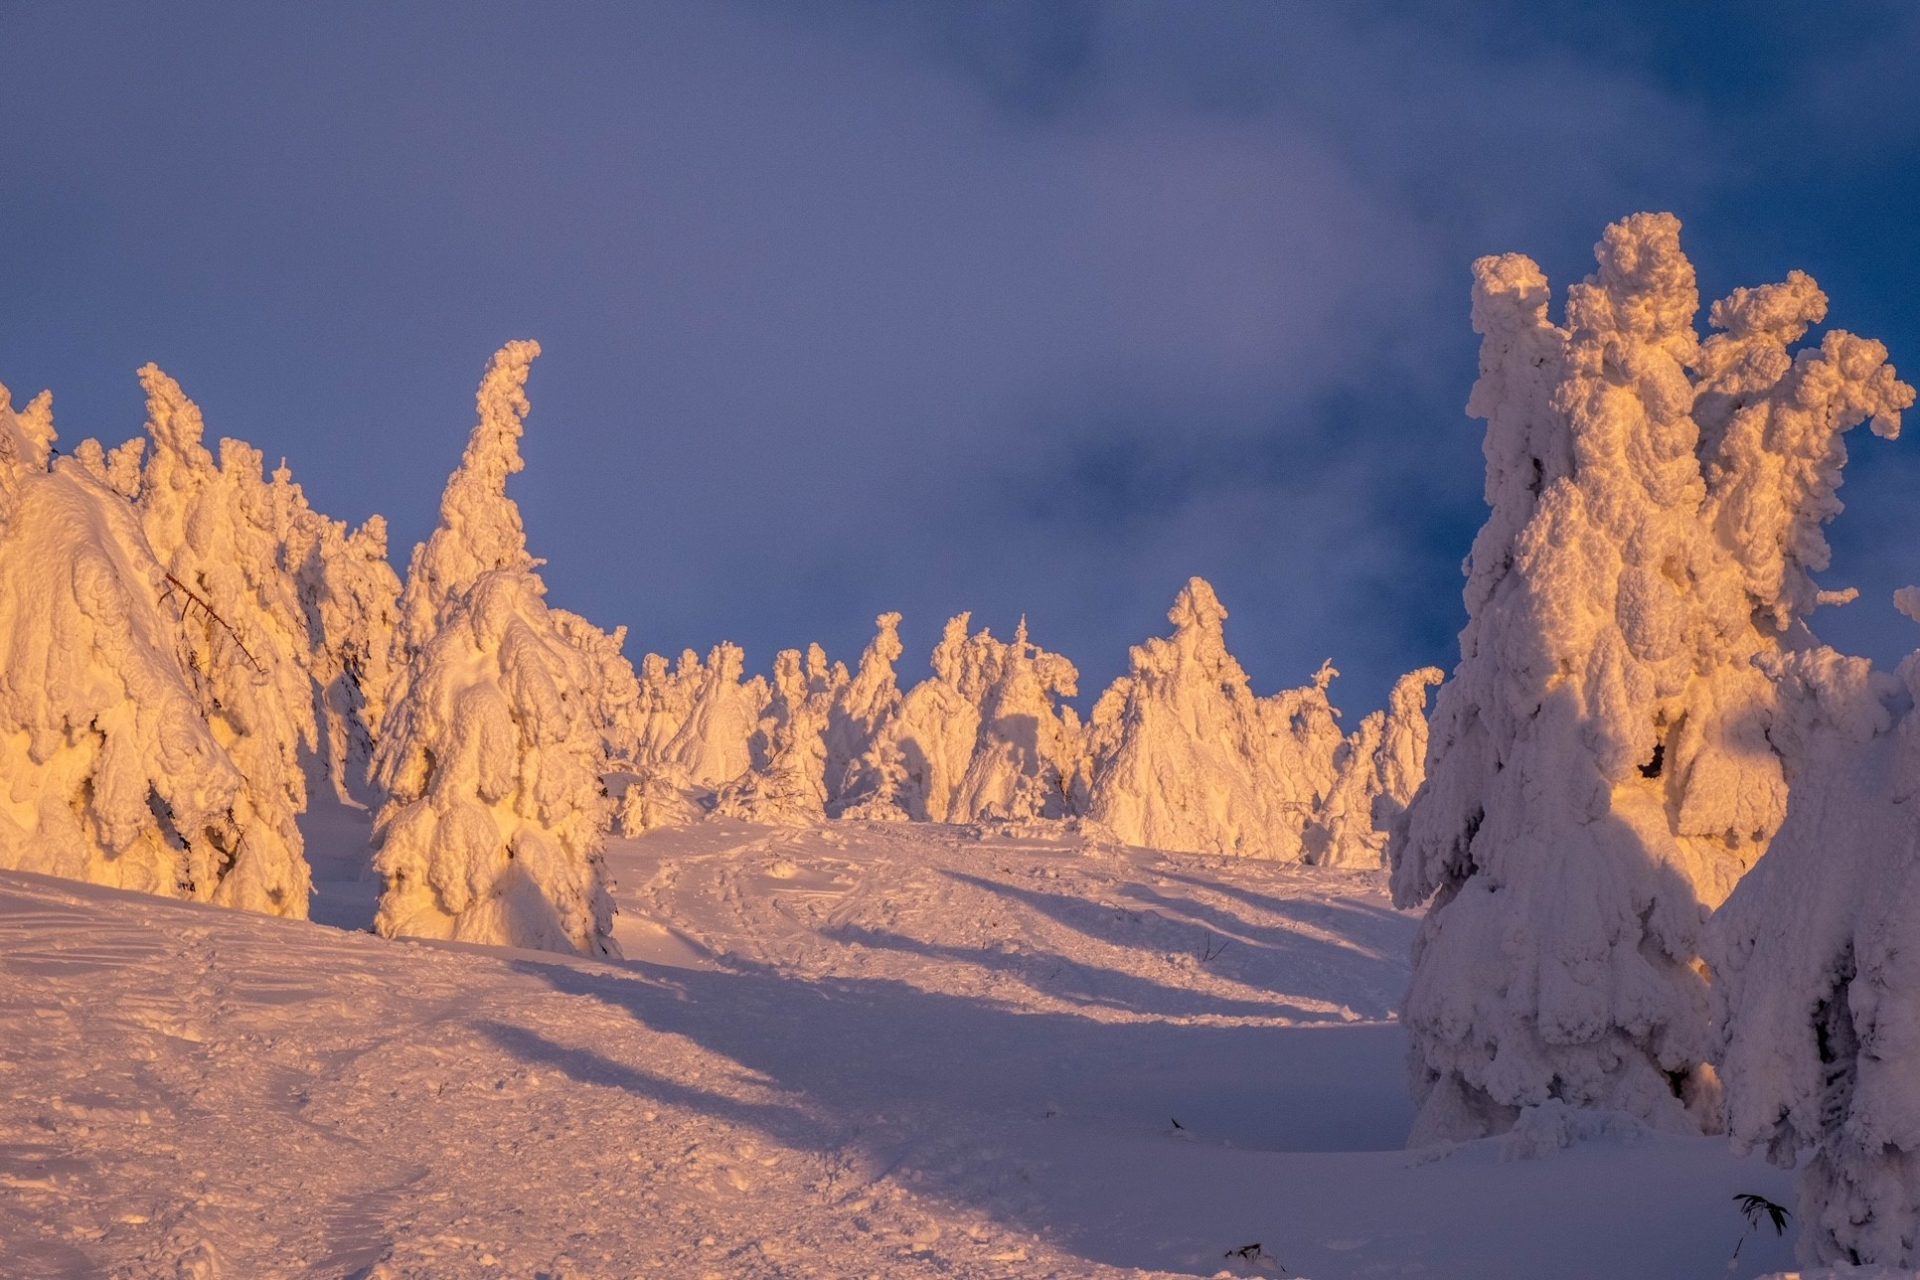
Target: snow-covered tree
1600, 772
118, 468
218, 535
714, 744
1027, 749
112, 773
1816, 999
1185, 757
1376, 772
666, 699
496, 817
787, 783
862, 773
352, 598
1304, 739
616, 710
491, 758
938, 725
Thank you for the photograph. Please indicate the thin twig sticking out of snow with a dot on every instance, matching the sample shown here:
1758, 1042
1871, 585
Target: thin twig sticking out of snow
194, 598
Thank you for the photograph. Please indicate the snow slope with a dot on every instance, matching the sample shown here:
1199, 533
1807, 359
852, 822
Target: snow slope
856, 1050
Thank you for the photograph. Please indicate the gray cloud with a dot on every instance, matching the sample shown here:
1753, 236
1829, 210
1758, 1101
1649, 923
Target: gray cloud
849, 306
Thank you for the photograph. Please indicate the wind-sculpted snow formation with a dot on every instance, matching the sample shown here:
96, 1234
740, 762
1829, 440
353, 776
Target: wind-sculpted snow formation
1606, 760
492, 755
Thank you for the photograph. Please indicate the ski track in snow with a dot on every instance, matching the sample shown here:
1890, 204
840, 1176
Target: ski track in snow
857, 1050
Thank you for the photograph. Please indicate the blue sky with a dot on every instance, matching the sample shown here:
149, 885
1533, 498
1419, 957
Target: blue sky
1006, 307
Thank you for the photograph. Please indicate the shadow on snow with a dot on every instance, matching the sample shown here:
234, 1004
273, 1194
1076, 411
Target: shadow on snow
968, 1098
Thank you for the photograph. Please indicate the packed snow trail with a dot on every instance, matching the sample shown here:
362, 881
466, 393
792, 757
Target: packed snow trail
841, 1052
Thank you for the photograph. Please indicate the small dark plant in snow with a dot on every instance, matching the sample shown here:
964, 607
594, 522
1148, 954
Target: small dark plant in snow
1757, 1209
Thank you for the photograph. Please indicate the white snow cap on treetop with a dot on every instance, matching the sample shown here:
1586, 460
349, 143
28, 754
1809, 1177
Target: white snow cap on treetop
1198, 607
26, 438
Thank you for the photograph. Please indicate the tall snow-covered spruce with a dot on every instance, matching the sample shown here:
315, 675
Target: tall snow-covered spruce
1602, 769
491, 758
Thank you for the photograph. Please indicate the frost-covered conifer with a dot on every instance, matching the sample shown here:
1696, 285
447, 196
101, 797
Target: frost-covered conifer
696, 726
786, 785
1027, 750
1303, 740
938, 723
616, 710
1184, 757
218, 536
496, 816
1376, 771
491, 759
1601, 771
119, 468
1817, 1005
713, 746
666, 699
112, 773
863, 774
352, 600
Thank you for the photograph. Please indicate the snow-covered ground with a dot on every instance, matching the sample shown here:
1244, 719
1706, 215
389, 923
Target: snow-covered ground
857, 1050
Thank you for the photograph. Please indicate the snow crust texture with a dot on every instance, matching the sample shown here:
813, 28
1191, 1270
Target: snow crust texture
1607, 760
